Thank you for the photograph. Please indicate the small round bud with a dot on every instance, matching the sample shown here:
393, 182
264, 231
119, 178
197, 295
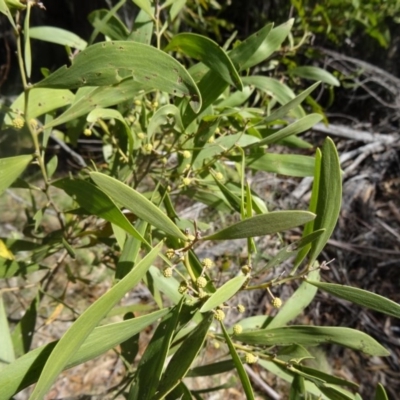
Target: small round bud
138, 102
241, 308
18, 123
131, 119
170, 253
141, 136
167, 272
207, 263
217, 131
237, 329
219, 315
250, 358
216, 345
201, 282
147, 148
183, 287
154, 104
186, 154
211, 139
186, 181
245, 269
202, 294
87, 132
276, 302
190, 237
164, 160
219, 176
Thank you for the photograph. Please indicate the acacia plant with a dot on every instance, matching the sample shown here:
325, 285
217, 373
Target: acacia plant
180, 118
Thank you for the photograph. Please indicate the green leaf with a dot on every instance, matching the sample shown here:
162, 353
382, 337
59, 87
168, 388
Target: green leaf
210, 53
296, 304
380, 393
108, 63
284, 110
313, 336
41, 101
361, 297
26, 369
145, 5
224, 293
137, 203
74, 337
264, 224
142, 30
212, 369
108, 25
329, 197
10, 268
152, 362
11, 168
95, 202
284, 164
104, 96
315, 74
168, 286
297, 389
58, 36
271, 44
295, 128
248, 390
4, 10
278, 90
6, 349
293, 354
183, 358
27, 41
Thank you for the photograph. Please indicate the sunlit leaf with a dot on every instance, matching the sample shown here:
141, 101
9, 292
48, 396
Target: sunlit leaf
264, 224
11, 168
380, 393
6, 349
58, 36
315, 74
145, 5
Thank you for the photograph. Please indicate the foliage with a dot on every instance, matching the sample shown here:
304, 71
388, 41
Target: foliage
190, 120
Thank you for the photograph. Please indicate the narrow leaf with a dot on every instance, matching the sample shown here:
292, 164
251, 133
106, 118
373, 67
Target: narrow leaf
11, 168
73, 339
361, 297
109, 63
137, 203
248, 390
6, 349
183, 358
380, 393
224, 293
58, 36
315, 74
145, 5
264, 224
329, 197
212, 369
313, 336
26, 369
210, 53
95, 202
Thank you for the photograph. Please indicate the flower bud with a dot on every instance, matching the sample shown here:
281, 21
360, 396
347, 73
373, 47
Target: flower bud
219, 315
276, 302
237, 329
201, 282
167, 272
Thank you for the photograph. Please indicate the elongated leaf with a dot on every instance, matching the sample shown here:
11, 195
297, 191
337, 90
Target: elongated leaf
6, 349
183, 358
284, 164
224, 293
248, 390
361, 297
315, 74
10, 268
109, 63
27, 41
297, 127
380, 393
11, 168
313, 336
108, 25
210, 53
4, 10
58, 36
137, 203
212, 369
297, 389
264, 224
41, 101
271, 44
103, 96
295, 305
152, 362
329, 197
73, 339
26, 369
284, 110
145, 5
94, 201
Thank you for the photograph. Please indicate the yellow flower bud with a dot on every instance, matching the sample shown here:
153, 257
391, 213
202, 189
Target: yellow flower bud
219, 315
167, 272
201, 282
186, 154
170, 253
18, 123
207, 263
250, 358
186, 181
141, 136
241, 308
276, 302
87, 132
219, 176
237, 329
